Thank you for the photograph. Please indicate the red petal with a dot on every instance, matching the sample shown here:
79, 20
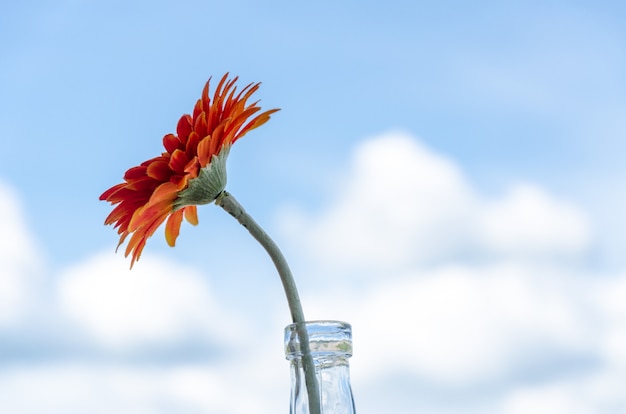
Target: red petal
143, 184
192, 144
135, 172
197, 110
108, 193
184, 128
200, 125
171, 143
206, 101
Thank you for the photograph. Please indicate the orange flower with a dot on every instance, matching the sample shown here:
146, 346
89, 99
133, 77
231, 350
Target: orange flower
191, 171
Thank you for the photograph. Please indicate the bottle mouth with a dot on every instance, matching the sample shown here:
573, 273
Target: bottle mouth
327, 338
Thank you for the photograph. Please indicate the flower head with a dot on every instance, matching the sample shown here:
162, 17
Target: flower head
191, 171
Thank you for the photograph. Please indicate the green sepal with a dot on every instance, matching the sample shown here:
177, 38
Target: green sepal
209, 183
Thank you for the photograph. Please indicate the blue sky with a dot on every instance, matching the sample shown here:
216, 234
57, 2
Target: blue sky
459, 165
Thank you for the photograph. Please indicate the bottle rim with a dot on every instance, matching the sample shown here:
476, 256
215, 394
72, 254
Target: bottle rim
327, 338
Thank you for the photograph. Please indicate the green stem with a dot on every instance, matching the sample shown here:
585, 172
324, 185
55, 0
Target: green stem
232, 206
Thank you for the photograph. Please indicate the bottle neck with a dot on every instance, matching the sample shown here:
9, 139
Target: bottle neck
330, 343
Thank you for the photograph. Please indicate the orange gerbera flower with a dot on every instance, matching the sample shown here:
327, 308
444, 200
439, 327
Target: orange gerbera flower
191, 171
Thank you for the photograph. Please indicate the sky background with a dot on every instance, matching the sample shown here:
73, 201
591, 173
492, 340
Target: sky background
446, 176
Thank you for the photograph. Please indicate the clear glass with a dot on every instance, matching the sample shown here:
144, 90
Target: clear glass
331, 346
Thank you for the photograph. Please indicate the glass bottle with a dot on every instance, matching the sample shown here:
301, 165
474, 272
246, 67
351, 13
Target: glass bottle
330, 343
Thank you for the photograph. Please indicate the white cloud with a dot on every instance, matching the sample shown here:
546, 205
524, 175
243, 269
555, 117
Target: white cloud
551, 399
19, 260
610, 298
601, 392
462, 325
398, 203
402, 204
529, 221
158, 302
93, 388
465, 290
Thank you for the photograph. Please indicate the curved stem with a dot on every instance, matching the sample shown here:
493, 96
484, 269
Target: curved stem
232, 206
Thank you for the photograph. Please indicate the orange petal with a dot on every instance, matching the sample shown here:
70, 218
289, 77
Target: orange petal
240, 119
218, 90
255, 123
204, 154
166, 192
159, 170
191, 215
218, 98
231, 99
161, 203
138, 239
172, 227
135, 220
240, 101
137, 252
217, 140
122, 210
193, 167
178, 161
